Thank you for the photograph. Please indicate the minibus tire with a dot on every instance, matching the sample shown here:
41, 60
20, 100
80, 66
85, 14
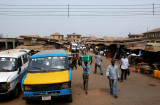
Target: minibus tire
69, 99
28, 101
16, 92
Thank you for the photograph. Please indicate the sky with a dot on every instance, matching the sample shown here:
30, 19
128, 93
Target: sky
112, 18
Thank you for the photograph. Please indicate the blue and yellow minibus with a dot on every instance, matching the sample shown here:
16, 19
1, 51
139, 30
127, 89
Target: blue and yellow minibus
48, 76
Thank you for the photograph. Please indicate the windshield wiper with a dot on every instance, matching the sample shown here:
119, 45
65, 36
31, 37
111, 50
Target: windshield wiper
54, 68
41, 69
57, 68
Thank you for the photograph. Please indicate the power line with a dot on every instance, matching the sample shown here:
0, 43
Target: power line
33, 8
115, 5
74, 15
80, 5
73, 11
78, 10
30, 5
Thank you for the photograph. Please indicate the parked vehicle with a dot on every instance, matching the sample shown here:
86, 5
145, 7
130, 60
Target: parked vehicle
82, 47
75, 47
28, 51
13, 66
49, 75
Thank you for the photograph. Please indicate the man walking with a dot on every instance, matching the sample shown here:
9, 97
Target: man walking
124, 66
98, 63
74, 61
112, 73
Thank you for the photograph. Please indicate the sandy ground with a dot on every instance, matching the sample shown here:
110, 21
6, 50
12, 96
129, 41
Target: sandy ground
138, 89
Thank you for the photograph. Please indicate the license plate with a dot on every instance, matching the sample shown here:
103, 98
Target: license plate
46, 97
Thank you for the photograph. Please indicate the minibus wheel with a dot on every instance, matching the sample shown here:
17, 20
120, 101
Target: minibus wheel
69, 99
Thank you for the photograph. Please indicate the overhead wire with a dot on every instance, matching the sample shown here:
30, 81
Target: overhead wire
77, 10
81, 5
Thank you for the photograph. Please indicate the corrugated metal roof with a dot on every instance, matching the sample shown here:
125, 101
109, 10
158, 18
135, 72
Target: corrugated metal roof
47, 37
93, 38
136, 48
74, 34
35, 48
56, 34
154, 30
135, 35
19, 37
30, 36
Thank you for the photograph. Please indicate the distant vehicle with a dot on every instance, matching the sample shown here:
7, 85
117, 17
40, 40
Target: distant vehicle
75, 47
28, 51
82, 47
13, 66
49, 75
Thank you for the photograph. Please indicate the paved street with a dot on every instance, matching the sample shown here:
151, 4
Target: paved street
138, 89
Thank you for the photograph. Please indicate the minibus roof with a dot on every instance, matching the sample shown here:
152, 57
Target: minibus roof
52, 52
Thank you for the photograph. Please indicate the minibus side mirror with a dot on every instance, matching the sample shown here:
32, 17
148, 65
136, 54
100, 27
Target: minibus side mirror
19, 70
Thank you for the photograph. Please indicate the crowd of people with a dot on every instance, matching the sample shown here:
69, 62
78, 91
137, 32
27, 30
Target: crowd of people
112, 71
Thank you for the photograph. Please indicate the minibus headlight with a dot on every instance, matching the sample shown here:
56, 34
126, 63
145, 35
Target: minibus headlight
27, 88
4, 86
65, 85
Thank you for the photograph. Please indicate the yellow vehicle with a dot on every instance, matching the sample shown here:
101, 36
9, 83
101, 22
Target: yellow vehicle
49, 75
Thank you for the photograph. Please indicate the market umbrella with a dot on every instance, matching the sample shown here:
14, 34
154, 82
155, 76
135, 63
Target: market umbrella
133, 54
140, 53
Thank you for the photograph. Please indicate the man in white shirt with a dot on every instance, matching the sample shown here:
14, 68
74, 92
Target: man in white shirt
124, 66
101, 52
112, 73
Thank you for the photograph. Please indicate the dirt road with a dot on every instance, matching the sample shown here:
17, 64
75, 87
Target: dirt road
138, 89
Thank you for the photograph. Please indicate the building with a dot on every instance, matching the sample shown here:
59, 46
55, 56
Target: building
57, 36
153, 37
135, 36
8, 43
33, 40
47, 37
85, 38
20, 41
74, 37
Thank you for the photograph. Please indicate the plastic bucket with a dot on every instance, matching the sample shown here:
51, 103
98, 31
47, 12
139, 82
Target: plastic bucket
158, 74
86, 58
68, 53
155, 73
